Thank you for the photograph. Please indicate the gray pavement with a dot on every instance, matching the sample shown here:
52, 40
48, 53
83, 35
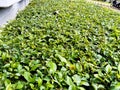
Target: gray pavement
9, 13
7, 3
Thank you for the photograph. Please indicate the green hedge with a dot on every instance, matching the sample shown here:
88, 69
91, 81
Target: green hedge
61, 45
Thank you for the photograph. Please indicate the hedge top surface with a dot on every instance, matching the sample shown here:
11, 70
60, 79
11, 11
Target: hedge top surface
61, 45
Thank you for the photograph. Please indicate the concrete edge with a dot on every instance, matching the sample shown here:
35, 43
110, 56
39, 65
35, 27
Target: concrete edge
7, 3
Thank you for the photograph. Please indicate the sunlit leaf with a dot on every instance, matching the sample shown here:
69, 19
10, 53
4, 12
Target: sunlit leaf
39, 80
9, 87
52, 66
69, 81
108, 68
27, 76
77, 79
19, 85
119, 68
61, 58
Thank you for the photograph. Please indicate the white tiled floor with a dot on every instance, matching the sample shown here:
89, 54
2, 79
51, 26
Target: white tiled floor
9, 13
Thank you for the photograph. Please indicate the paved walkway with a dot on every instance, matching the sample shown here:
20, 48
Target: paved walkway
7, 3
104, 4
9, 13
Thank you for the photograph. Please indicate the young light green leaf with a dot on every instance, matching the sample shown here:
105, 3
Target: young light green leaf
4, 56
61, 58
94, 86
81, 88
108, 68
19, 85
52, 66
116, 86
72, 87
9, 87
49, 85
69, 81
76, 79
119, 68
27, 76
32, 86
35, 67
85, 83
39, 80
101, 87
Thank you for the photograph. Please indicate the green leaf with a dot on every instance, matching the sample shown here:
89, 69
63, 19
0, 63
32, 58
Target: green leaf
19, 68
85, 83
49, 85
119, 68
52, 66
7, 65
7, 82
39, 80
32, 86
108, 68
27, 76
79, 67
64, 60
19, 85
69, 81
61, 58
72, 87
116, 86
35, 67
81, 88
9, 87
101, 87
94, 86
42, 87
27, 68
4, 56
76, 79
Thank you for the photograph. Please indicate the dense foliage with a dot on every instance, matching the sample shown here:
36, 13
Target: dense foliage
61, 45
